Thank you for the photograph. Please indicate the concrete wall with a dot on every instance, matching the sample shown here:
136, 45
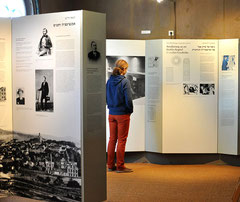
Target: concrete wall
200, 19
211, 19
50, 6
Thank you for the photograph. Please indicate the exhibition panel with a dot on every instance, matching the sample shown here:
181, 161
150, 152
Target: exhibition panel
53, 125
154, 59
46, 95
93, 36
49, 77
133, 51
228, 120
190, 96
5, 76
182, 111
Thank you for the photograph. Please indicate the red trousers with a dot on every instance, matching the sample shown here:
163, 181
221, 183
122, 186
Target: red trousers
119, 126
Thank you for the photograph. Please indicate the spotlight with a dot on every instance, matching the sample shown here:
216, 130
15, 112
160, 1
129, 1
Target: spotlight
159, 1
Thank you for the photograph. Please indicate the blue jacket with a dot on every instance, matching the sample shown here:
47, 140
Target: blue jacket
119, 96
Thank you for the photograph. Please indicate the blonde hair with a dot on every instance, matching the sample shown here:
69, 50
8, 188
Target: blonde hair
121, 65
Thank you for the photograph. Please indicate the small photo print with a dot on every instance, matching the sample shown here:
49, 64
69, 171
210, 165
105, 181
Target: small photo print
45, 44
207, 89
94, 51
228, 63
153, 62
44, 90
20, 99
3, 96
190, 89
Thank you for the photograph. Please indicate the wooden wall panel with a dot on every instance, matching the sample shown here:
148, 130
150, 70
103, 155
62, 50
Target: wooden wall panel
232, 19
198, 19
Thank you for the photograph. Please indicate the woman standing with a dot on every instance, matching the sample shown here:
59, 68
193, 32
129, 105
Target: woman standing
119, 101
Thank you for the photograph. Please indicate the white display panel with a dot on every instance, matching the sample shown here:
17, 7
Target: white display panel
133, 51
5, 75
228, 140
46, 69
154, 59
190, 88
53, 107
61, 67
186, 112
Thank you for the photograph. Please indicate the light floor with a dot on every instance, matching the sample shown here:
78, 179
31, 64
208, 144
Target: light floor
178, 183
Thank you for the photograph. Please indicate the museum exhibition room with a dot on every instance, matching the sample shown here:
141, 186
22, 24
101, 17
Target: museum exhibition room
119, 100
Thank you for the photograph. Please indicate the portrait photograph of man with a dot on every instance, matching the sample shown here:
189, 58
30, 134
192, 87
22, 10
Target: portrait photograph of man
45, 44
94, 54
44, 90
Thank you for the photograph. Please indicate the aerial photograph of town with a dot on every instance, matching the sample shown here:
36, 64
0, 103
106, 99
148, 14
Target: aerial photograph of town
39, 168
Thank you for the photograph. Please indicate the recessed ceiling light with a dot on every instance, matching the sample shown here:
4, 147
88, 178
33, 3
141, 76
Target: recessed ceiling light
159, 1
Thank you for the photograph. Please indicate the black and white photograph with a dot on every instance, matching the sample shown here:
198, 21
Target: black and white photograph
207, 89
190, 89
228, 63
40, 168
153, 62
94, 53
135, 73
3, 96
45, 44
20, 100
44, 90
